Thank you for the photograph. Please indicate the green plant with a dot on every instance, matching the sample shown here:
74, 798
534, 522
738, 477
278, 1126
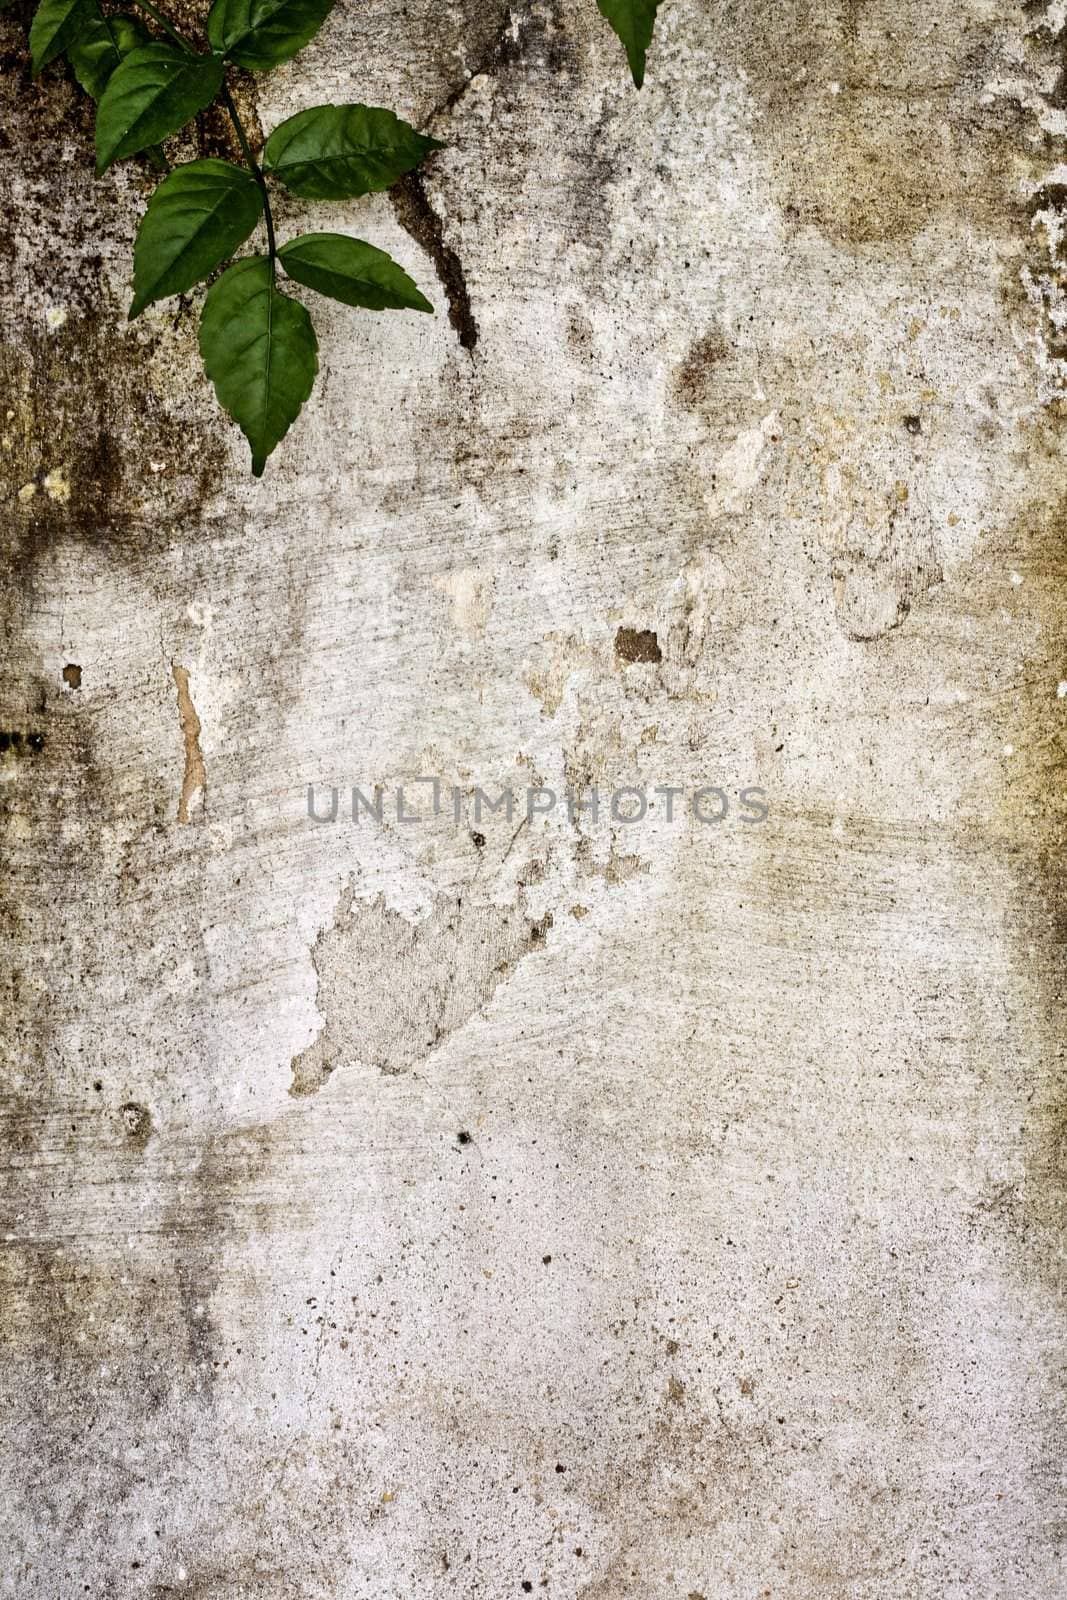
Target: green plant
258, 344
633, 21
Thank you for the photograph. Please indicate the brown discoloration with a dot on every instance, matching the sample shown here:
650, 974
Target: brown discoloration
51, 783
110, 435
637, 644
69, 469
870, 117
194, 778
14, 742
694, 378
215, 132
498, 41
617, 868
875, 588
560, 657
1031, 729
392, 991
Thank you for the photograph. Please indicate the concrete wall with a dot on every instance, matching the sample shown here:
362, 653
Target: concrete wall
583, 1208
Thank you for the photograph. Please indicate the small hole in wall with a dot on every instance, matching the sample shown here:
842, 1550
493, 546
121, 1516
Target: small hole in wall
478, 840
463, 1137
72, 675
137, 1122
913, 424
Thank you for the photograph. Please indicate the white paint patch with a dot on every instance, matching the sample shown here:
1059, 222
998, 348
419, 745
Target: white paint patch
470, 592
737, 470
57, 486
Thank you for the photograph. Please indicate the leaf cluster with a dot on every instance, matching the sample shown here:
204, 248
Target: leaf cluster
258, 343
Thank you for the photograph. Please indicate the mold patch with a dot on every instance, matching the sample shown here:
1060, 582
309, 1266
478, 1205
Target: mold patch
872, 113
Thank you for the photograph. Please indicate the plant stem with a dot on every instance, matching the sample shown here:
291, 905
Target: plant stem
168, 27
256, 169
242, 138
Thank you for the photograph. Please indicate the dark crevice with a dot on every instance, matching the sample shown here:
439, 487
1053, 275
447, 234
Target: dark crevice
539, 36
416, 215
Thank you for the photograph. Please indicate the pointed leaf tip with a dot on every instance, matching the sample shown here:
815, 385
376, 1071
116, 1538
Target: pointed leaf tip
341, 152
633, 21
352, 271
260, 352
101, 44
260, 34
198, 216
55, 24
153, 92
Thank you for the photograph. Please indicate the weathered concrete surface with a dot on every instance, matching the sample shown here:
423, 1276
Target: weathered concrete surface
593, 1210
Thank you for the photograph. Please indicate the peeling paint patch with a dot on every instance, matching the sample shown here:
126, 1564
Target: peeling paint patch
548, 681
392, 991
194, 779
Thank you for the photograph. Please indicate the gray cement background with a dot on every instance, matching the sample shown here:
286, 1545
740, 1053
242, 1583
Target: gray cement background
745, 1280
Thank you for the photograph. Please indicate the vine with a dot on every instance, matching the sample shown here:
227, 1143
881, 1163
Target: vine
257, 342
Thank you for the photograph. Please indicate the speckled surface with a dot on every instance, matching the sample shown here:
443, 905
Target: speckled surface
602, 1210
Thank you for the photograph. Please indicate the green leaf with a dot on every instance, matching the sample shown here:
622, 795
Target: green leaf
55, 24
197, 217
339, 152
262, 33
351, 271
260, 352
151, 94
633, 21
101, 44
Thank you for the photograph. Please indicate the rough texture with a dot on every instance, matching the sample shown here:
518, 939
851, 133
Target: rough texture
567, 1206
